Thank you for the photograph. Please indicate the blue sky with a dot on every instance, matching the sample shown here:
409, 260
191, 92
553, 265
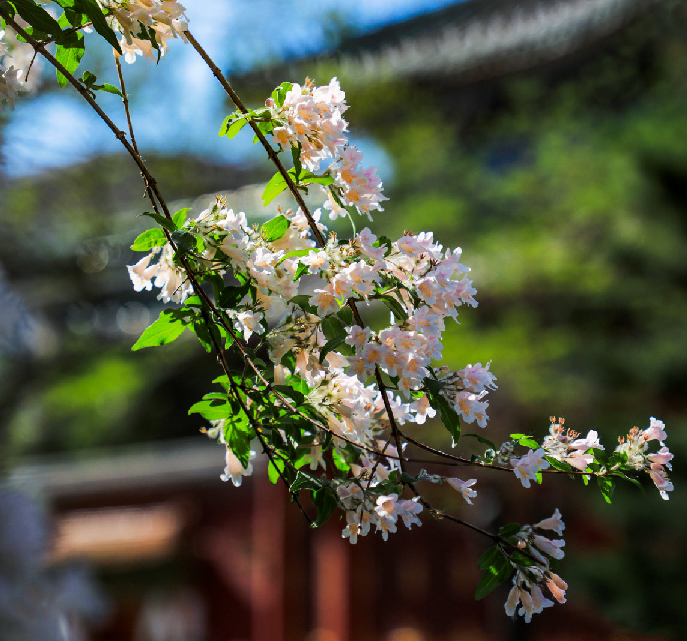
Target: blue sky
177, 106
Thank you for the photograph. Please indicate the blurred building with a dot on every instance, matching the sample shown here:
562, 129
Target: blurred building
185, 557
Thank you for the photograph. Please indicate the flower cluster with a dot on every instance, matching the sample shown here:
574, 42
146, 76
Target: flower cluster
364, 509
635, 447
420, 281
527, 467
233, 470
310, 119
566, 446
11, 72
529, 579
146, 25
158, 268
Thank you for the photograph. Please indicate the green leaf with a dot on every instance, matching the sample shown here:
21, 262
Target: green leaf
296, 156
346, 315
562, 466
88, 78
275, 469
167, 328
161, 220
607, 486
332, 328
303, 301
238, 434
448, 415
395, 307
498, 572
286, 390
184, 241
302, 269
340, 462
235, 127
509, 530
273, 188
481, 439
231, 296
108, 88
525, 440
331, 345
212, 409
149, 239
433, 386
37, 17
275, 228
307, 178
488, 557
326, 503
95, 15
307, 482
74, 18
10, 12
296, 253
279, 94
634, 482
70, 56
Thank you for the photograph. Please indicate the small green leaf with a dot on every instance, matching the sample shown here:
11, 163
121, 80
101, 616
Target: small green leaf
331, 345
161, 220
238, 434
303, 301
308, 178
296, 156
279, 94
399, 313
481, 439
69, 51
275, 228
286, 390
184, 241
326, 503
307, 482
296, 253
489, 556
509, 530
433, 386
88, 78
231, 296
167, 328
275, 469
607, 486
332, 328
37, 17
448, 415
180, 217
273, 188
149, 239
235, 127
562, 466
302, 269
212, 409
95, 15
108, 88
498, 572
346, 315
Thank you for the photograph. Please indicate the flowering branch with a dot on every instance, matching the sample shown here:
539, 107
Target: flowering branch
328, 388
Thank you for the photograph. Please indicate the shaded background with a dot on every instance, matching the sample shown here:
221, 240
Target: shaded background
545, 138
